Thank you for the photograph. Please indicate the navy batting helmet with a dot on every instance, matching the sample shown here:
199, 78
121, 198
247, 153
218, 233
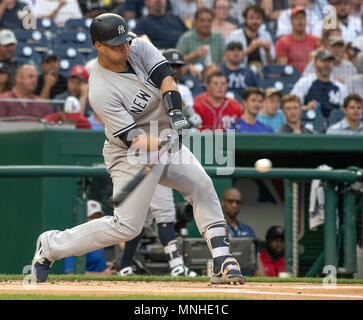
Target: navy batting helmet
110, 29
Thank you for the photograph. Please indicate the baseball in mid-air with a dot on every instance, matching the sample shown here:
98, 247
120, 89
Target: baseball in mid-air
263, 165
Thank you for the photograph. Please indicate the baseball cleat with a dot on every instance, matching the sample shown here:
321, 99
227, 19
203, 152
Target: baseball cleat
230, 273
127, 271
40, 266
182, 270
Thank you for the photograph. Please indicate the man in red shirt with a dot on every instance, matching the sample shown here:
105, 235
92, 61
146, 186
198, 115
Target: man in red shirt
216, 110
29, 107
294, 49
271, 260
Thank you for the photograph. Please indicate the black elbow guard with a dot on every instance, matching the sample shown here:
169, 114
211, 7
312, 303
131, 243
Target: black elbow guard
172, 100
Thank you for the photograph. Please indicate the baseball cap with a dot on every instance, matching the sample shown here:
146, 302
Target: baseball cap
173, 56
271, 91
335, 40
80, 72
7, 37
324, 55
275, 232
234, 44
297, 10
93, 207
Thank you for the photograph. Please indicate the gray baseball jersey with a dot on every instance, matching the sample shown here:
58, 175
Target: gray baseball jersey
125, 101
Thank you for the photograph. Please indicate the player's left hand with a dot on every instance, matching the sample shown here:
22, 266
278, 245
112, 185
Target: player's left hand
177, 120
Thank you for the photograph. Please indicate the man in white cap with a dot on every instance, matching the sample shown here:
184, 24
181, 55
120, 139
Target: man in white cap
96, 260
7, 50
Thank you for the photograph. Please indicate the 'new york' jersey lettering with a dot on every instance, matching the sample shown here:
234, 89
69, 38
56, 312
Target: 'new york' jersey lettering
140, 102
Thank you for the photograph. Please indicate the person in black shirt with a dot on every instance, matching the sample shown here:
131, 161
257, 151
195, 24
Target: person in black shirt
162, 29
50, 82
11, 14
8, 44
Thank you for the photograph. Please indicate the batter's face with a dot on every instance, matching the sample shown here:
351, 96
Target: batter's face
114, 55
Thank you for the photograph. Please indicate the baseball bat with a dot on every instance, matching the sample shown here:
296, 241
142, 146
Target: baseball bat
144, 171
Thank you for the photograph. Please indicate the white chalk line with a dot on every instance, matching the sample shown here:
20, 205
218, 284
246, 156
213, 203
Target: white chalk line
214, 290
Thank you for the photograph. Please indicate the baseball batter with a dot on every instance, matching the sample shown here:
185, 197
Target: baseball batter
132, 90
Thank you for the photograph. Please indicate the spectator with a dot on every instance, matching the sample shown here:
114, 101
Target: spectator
11, 14
216, 110
231, 206
50, 82
313, 23
185, 9
318, 6
352, 123
351, 26
176, 62
252, 102
238, 78
162, 29
201, 45
26, 78
59, 10
96, 263
342, 69
273, 8
271, 260
355, 83
351, 54
237, 7
136, 9
7, 50
5, 78
256, 41
292, 110
70, 113
324, 41
271, 114
92, 8
220, 23
319, 91
77, 86
294, 49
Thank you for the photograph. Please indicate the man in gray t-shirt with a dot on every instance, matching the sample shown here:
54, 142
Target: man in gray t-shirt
132, 90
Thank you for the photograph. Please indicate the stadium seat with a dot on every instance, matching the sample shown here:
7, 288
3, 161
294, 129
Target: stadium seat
70, 53
26, 54
33, 37
193, 83
78, 39
82, 24
282, 77
313, 120
335, 116
66, 65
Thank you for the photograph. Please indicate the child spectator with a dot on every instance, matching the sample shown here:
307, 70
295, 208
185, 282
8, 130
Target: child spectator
271, 114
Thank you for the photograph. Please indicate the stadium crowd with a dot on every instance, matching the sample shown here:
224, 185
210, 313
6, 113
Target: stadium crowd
241, 59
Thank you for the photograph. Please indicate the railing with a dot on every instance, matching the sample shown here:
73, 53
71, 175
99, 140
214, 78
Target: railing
291, 177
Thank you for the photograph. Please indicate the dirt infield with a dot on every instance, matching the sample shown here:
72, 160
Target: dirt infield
269, 291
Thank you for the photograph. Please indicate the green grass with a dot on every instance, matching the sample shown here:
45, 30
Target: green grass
54, 278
